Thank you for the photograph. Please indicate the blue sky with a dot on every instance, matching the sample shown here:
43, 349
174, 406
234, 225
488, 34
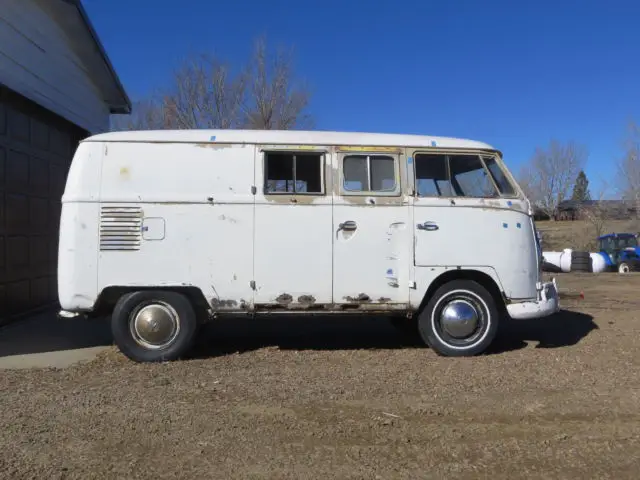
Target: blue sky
512, 74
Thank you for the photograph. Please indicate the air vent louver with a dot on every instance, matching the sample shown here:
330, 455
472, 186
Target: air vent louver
120, 228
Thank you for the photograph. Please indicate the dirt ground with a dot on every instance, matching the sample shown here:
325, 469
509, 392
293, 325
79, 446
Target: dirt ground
335, 398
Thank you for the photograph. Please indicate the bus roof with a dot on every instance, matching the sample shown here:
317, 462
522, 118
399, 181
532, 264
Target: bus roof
288, 137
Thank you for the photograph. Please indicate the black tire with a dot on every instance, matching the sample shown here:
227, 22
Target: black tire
581, 262
175, 304
581, 268
580, 255
442, 342
582, 265
625, 267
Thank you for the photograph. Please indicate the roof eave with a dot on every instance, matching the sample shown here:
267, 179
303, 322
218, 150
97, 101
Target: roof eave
123, 107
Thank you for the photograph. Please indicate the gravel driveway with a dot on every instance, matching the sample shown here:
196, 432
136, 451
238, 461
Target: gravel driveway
335, 398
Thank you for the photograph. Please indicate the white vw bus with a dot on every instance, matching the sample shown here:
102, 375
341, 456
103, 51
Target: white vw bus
166, 229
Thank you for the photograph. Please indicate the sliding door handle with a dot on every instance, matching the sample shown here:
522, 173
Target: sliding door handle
348, 226
428, 226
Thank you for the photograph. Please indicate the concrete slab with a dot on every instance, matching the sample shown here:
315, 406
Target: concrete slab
45, 341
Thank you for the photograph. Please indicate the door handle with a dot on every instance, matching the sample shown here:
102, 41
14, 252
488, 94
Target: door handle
348, 226
428, 226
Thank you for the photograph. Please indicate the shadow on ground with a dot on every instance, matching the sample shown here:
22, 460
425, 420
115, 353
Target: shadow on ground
226, 336
564, 329
45, 332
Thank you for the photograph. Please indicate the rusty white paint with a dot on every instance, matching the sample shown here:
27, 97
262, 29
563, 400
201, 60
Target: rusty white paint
288, 137
374, 259
247, 250
476, 237
292, 246
546, 302
48, 56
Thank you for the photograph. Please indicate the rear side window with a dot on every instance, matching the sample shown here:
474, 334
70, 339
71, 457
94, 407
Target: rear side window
369, 173
294, 173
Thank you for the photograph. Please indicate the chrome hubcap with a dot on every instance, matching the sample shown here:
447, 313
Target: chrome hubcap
459, 319
155, 326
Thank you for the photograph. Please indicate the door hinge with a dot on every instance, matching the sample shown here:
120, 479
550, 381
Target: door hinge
412, 284
254, 190
252, 284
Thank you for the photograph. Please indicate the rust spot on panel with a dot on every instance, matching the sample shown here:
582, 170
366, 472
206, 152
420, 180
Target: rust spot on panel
218, 303
284, 299
212, 146
289, 199
306, 299
383, 307
367, 149
323, 308
361, 298
371, 307
269, 306
492, 203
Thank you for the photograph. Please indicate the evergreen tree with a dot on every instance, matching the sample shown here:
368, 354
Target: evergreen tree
581, 188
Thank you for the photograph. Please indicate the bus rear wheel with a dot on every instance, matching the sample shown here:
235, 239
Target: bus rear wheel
460, 319
154, 325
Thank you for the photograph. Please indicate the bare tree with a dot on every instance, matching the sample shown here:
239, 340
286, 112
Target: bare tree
206, 92
274, 103
145, 114
595, 214
628, 169
526, 180
548, 177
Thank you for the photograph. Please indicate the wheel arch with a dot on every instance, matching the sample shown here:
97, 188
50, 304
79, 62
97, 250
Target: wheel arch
110, 295
478, 276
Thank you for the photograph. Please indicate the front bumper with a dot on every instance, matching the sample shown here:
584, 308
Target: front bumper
547, 304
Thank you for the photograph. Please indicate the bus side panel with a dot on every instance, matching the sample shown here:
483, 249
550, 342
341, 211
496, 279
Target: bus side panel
78, 237
77, 256
191, 207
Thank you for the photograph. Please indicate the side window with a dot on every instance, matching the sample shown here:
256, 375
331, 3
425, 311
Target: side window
292, 172
369, 173
469, 178
499, 177
432, 179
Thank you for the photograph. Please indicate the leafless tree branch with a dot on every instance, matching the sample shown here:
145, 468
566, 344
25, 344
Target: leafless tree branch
548, 177
206, 92
596, 215
628, 168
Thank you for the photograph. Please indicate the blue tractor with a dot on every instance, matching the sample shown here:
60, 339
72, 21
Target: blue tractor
620, 251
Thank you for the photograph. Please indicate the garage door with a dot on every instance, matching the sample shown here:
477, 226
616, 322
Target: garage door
36, 147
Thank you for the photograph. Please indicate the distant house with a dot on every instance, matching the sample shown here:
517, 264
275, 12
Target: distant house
57, 87
569, 210
614, 209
